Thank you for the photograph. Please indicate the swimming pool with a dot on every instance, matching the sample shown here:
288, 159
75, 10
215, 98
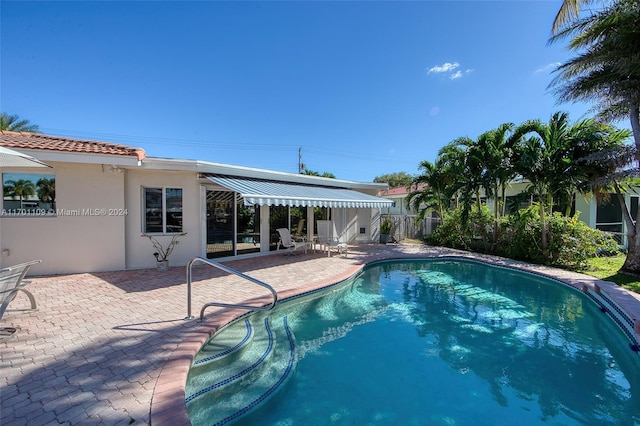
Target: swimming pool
449, 342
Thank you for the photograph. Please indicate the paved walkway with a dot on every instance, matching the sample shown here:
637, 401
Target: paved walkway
114, 348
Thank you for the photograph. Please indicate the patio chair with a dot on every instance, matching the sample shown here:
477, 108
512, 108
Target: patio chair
326, 238
289, 243
11, 282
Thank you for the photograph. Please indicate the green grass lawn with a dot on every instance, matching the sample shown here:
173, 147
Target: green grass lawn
606, 268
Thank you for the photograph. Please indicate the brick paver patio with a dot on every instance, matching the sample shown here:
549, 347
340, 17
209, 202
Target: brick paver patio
114, 348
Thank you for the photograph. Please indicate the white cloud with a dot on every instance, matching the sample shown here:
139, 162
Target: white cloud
548, 68
446, 67
450, 69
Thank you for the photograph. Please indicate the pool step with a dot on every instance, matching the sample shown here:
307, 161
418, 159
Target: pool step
228, 343
221, 391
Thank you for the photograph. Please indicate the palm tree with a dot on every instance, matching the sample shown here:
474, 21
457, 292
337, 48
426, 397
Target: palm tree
606, 69
542, 160
549, 158
455, 175
14, 124
463, 171
588, 138
429, 190
568, 11
21, 188
46, 188
495, 149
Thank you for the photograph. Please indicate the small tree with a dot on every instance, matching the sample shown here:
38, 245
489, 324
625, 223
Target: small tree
395, 179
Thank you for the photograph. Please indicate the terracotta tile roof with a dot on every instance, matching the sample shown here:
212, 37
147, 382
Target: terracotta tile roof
64, 144
399, 190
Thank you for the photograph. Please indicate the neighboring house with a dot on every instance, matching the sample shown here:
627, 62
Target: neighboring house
399, 195
404, 216
95, 206
606, 216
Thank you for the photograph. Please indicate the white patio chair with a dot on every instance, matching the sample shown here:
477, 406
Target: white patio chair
11, 282
328, 240
289, 243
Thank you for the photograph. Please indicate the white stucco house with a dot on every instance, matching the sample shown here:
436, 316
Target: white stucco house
94, 208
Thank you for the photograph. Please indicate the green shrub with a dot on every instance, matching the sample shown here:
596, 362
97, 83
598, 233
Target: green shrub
475, 234
570, 242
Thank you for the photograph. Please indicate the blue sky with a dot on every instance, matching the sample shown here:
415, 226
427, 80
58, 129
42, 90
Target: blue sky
364, 88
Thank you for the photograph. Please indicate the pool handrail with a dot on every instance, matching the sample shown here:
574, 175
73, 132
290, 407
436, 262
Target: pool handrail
226, 305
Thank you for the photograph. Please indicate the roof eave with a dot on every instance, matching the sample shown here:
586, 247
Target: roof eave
206, 167
78, 157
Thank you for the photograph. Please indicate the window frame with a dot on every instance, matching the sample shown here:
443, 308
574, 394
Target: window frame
31, 207
163, 210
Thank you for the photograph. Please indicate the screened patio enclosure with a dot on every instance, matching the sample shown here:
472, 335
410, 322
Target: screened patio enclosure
243, 215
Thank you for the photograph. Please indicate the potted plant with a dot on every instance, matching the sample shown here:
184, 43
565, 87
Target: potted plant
385, 229
162, 253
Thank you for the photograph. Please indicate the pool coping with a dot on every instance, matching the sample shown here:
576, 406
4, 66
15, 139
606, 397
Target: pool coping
168, 406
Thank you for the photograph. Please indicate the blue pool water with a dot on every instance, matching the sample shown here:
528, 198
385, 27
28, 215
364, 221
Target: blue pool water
430, 342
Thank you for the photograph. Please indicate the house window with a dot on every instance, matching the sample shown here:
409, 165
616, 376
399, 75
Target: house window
609, 218
26, 194
162, 210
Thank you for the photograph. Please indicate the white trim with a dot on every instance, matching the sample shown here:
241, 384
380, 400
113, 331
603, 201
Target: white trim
155, 163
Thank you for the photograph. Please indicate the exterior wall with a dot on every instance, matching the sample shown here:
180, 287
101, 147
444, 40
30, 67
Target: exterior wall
138, 248
400, 207
87, 234
363, 220
98, 226
586, 206
348, 222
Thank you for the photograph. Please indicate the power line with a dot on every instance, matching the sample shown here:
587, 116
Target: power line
119, 138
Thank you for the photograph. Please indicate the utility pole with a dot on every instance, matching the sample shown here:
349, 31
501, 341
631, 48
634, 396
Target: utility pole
300, 163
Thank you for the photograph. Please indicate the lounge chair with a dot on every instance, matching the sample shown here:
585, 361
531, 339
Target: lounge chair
300, 234
11, 282
329, 242
289, 243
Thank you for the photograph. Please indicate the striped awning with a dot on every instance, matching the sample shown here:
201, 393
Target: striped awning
271, 193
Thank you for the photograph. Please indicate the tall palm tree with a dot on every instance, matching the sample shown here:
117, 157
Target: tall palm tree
549, 158
14, 124
588, 138
606, 69
542, 160
455, 175
495, 149
464, 170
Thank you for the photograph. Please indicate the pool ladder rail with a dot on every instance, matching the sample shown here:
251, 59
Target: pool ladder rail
221, 304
